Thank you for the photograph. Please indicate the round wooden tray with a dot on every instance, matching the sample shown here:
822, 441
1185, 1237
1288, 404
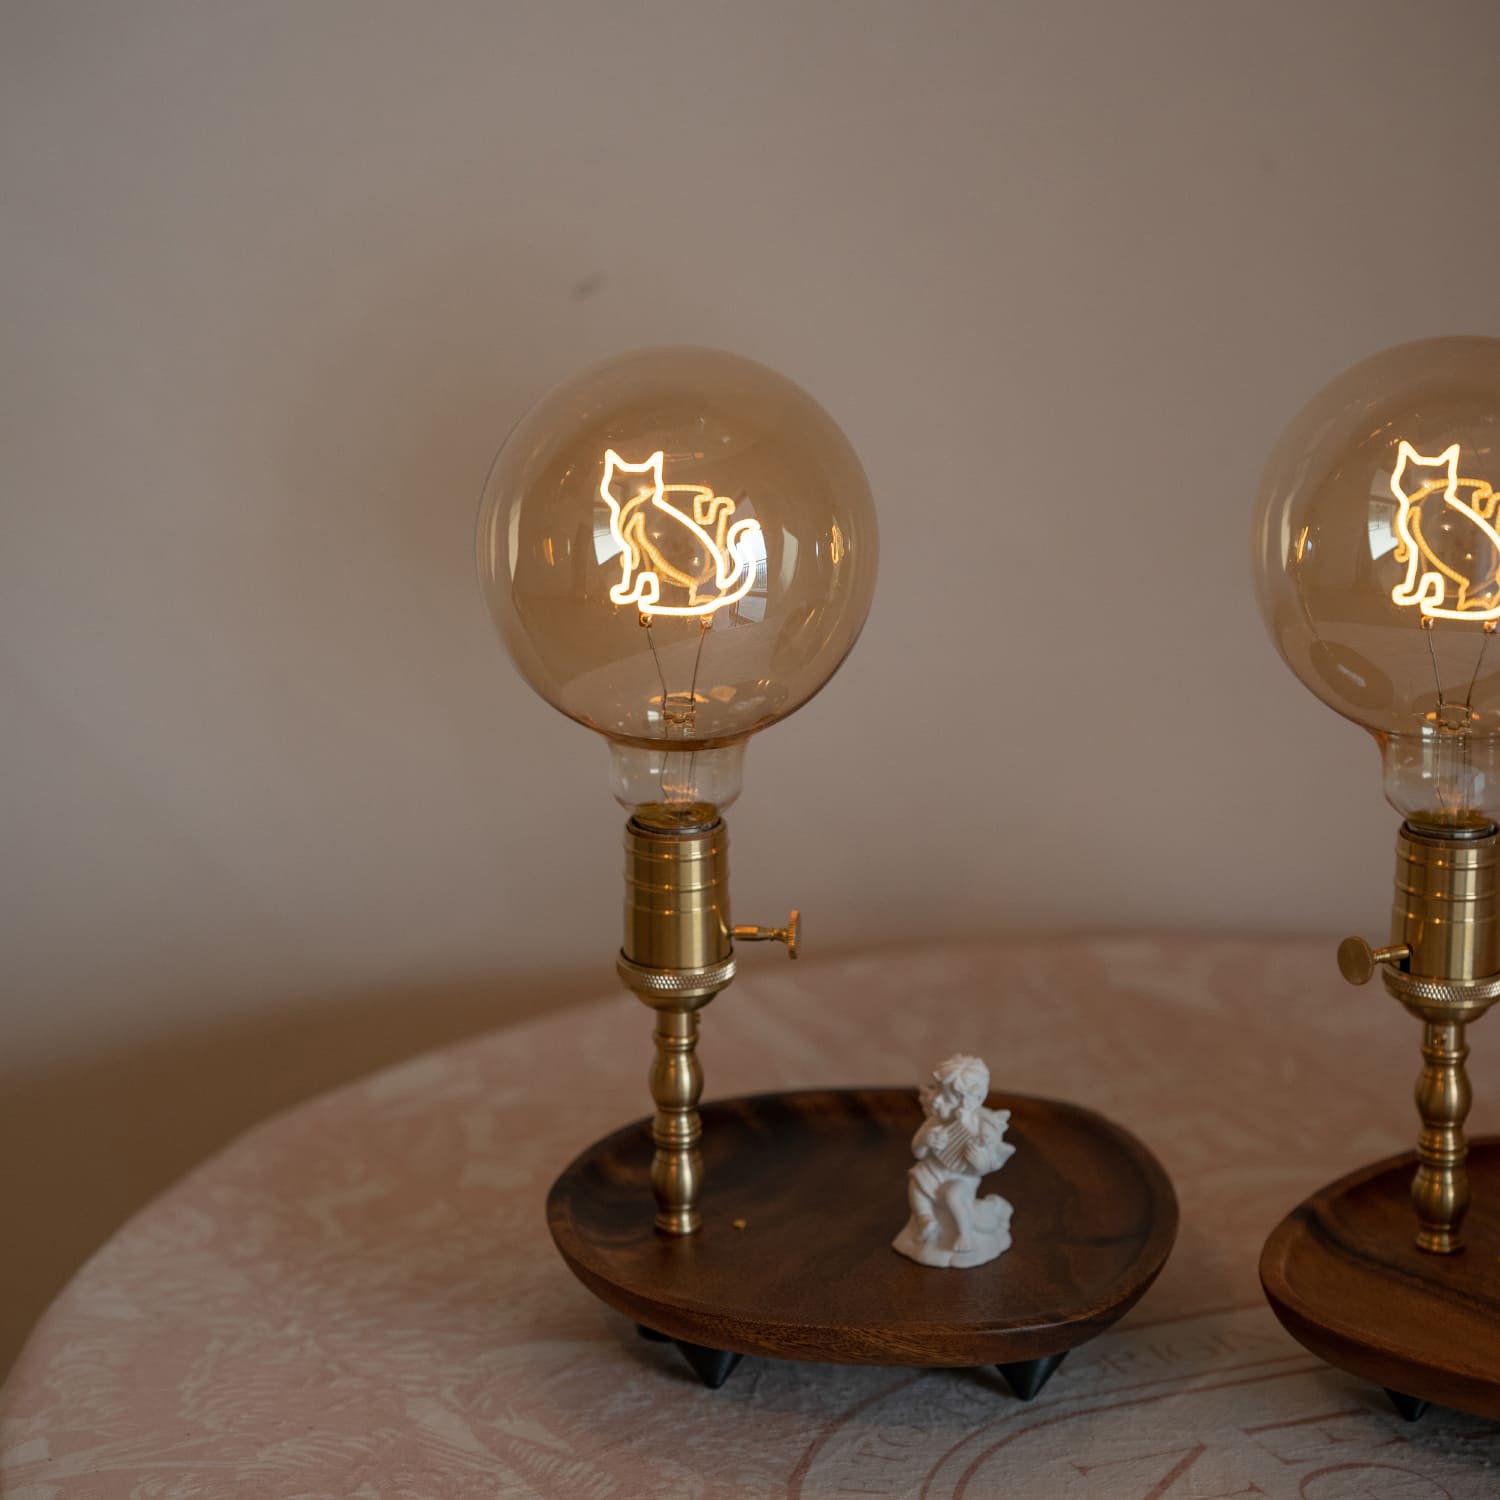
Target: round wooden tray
803, 1194
1342, 1273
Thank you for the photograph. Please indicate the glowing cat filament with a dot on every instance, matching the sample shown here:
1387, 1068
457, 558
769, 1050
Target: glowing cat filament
1427, 575
730, 551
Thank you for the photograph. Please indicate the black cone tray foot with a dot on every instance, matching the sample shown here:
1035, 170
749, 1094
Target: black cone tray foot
1342, 1274
1027, 1377
1410, 1407
712, 1366
804, 1193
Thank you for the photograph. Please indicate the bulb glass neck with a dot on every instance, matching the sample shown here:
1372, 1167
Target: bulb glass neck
676, 788
1445, 783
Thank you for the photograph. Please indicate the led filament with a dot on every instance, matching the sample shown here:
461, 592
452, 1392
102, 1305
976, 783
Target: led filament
727, 556
1476, 589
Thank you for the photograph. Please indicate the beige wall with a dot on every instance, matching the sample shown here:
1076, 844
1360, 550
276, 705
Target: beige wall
277, 277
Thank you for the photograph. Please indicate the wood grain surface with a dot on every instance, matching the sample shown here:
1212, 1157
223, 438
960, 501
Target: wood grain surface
804, 1193
1346, 1280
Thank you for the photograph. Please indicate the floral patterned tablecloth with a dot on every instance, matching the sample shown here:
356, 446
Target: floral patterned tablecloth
359, 1298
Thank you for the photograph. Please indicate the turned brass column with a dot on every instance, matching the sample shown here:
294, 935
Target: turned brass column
1443, 965
677, 955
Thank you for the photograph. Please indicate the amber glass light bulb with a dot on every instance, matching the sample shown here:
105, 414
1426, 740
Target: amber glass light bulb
1377, 562
679, 548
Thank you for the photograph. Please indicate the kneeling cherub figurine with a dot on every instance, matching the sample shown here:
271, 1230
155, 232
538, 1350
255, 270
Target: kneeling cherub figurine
957, 1144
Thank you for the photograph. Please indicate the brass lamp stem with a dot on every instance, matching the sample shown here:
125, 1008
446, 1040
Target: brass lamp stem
676, 1087
1443, 965
1440, 1189
677, 955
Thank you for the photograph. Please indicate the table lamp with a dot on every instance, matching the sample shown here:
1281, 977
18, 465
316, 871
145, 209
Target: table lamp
1376, 554
679, 548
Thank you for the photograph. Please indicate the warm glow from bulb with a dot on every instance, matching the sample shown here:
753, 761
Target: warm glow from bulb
1427, 575
734, 559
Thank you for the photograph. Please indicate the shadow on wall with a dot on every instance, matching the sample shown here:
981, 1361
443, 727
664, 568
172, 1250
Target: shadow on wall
87, 1142
355, 483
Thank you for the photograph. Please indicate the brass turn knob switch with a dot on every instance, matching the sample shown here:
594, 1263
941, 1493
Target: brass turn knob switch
1358, 960
787, 934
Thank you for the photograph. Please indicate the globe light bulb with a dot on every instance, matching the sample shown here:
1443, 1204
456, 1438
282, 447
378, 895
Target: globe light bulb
679, 548
1377, 563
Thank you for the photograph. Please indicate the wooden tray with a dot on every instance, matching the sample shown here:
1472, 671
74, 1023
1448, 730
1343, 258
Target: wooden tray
1346, 1280
804, 1193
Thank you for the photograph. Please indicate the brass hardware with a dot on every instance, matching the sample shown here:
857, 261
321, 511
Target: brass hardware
1444, 907
703, 984
1358, 960
676, 896
1440, 1189
1452, 999
676, 1087
1444, 931
677, 955
788, 934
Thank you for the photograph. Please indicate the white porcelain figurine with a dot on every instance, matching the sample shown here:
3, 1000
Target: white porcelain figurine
957, 1144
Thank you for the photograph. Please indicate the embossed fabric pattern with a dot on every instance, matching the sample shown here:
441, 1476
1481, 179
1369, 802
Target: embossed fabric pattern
359, 1298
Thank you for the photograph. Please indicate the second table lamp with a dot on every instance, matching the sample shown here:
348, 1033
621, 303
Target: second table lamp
1377, 562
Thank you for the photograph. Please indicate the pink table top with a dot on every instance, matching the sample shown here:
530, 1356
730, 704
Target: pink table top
359, 1297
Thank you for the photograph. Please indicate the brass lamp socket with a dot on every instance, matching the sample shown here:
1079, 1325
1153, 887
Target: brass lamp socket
1445, 908
676, 896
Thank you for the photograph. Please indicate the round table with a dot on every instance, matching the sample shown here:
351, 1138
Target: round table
359, 1297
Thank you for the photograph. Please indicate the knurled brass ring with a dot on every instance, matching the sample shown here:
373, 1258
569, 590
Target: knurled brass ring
674, 981
1406, 986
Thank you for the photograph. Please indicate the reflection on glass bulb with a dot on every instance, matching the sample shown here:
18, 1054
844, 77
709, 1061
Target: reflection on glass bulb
1377, 564
679, 549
